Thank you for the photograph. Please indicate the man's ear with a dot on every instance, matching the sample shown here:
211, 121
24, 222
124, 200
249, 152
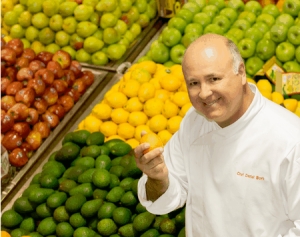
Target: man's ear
242, 73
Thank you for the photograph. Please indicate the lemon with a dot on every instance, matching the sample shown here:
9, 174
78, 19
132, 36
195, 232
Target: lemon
119, 115
7, 38
161, 71
183, 87
102, 111
146, 92
170, 109
165, 136
137, 118
251, 81
4, 234
162, 94
6, 6
277, 97
139, 129
116, 99
264, 85
149, 66
158, 123
108, 128
267, 94
133, 104
115, 87
297, 111
92, 124
81, 125
184, 109
126, 130
130, 88
134, 66
141, 75
290, 104
4, 32
176, 70
114, 137
127, 76
170, 82
155, 82
133, 142
173, 124
181, 98
153, 107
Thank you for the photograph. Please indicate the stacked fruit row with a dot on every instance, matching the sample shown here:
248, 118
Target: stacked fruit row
259, 32
91, 31
87, 188
37, 90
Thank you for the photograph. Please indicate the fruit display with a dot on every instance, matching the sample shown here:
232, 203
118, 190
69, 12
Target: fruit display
91, 31
37, 90
88, 187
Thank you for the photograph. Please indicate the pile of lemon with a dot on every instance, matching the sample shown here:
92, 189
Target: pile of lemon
266, 89
149, 97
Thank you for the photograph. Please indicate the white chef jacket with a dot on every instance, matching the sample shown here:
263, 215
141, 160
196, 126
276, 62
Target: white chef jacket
239, 181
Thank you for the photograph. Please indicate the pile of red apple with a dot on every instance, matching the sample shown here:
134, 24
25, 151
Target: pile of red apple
36, 93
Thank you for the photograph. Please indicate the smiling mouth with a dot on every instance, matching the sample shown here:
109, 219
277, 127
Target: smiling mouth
211, 103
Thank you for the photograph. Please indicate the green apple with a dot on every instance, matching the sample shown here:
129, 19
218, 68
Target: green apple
135, 29
263, 27
267, 35
124, 41
200, 3
99, 58
241, 24
117, 12
133, 14
176, 53
169, 64
46, 36
95, 18
192, 7
76, 42
266, 18
83, 12
291, 7
70, 51
230, 13
246, 47
291, 66
31, 33
237, 33
56, 22
254, 34
25, 19
40, 20
253, 6
151, 10
67, 8
141, 5
159, 52
121, 27
108, 20
110, 36
185, 14
86, 29
50, 8
178, 23
213, 28
144, 58
278, 33
253, 65
35, 6
265, 49
69, 25
202, 18
98, 34
211, 10
17, 31
232, 38
106, 5
52, 48
272, 10
194, 27
37, 47
237, 5
19, 8
285, 19
249, 16
10, 18
223, 22
218, 3
285, 52
91, 44
143, 20
125, 5
26, 43
294, 35
115, 51
92, 3
62, 38
83, 56
170, 36
129, 36
297, 54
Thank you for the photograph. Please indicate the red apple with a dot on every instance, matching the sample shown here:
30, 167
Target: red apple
34, 139
80, 86
11, 73
33, 116
74, 94
21, 62
8, 56
63, 58
44, 56
7, 122
46, 75
25, 74
43, 128
3, 43
19, 112
76, 68
29, 53
7, 102
38, 85
50, 96
51, 119
56, 68
88, 77
60, 86
14, 87
4, 84
11, 140
26, 96
22, 128
69, 77
36, 65
40, 105
18, 158
58, 110
67, 102
27, 149
17, 45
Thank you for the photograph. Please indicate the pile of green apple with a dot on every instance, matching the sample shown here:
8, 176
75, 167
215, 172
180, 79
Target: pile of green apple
91, 31
259, 32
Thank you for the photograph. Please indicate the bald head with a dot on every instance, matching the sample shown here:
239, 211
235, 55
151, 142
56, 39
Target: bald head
208, 43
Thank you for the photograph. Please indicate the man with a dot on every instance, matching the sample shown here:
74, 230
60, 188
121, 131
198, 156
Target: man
234, 162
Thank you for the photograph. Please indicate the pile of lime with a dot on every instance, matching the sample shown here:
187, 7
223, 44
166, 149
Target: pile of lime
88, 188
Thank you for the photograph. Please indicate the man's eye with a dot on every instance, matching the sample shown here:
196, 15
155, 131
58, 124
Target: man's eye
215, 78
193, 83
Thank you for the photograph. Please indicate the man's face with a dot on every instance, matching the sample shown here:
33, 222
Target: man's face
214, 89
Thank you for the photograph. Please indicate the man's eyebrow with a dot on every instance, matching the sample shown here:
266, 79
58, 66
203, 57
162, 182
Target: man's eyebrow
210, 75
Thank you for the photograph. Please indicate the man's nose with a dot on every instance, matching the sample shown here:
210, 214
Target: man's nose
205, 92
